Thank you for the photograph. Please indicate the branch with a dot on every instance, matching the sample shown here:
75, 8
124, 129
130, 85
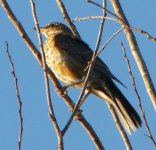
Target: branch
50, 106
51, 75
90, 131
98, 5
120, 128
18, 97
67, 18
108, 41
137, 94
145, 33
93, 17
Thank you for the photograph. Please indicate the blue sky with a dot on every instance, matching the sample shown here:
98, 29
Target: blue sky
38, 132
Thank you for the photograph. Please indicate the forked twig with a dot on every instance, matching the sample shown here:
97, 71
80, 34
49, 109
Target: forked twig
108, 41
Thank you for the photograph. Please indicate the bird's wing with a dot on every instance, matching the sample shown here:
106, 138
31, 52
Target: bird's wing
81, 52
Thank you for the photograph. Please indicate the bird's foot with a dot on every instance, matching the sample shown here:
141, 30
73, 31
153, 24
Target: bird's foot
62, 92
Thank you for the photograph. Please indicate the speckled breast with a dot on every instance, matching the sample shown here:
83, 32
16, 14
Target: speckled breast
61, 63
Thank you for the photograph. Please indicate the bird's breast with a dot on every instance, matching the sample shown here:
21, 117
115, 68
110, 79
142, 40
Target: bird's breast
63, 65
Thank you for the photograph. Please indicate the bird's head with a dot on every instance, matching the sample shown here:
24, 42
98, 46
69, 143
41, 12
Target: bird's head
54, 28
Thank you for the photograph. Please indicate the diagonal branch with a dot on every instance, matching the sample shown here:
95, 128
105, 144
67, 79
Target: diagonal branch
49, 102
67, 18
120, 128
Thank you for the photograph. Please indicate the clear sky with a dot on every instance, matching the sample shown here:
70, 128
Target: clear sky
38, 132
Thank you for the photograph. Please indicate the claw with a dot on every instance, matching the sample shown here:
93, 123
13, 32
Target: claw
62, 92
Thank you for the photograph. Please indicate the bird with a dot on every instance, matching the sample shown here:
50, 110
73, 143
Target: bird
68, 57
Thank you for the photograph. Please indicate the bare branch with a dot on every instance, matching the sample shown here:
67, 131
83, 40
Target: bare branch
50, 106
120, 128
90, 132
137, 94
93, 17
145, 33
67, 18
101, 27
18, 97
150, 37
98, 5
108, 41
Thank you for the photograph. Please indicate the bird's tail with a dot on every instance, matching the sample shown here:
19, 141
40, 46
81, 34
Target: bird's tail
127, 114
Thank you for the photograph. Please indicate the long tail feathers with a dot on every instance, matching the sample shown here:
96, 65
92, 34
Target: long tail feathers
127, 114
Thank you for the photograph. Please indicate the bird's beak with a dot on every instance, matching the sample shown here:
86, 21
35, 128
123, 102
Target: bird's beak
41, 29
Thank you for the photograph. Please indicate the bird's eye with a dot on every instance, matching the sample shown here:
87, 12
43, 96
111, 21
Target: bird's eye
49, 25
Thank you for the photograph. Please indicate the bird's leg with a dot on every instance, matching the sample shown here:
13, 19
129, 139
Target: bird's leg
72, 84
87, 92
79, 103
64, 88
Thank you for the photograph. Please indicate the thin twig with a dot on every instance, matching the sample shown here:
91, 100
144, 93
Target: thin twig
108, 41
104, 14
89, 67
50, 106
98, 5
18, 97
145, 33
137, 94
93, 17
92, 134
120, 128
67, 18
150, 37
